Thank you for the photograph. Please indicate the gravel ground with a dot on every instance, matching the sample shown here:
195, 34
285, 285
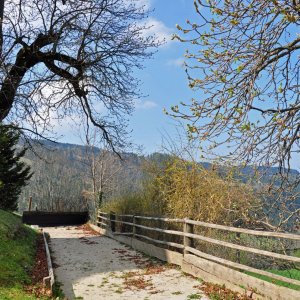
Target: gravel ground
92, 266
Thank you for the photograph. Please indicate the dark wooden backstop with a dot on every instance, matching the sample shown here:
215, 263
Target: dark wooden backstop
54, 218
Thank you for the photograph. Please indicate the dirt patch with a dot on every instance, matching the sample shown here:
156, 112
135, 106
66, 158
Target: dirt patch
141, 261
154, 269
86, 228
215, 291
87, 241
139, 283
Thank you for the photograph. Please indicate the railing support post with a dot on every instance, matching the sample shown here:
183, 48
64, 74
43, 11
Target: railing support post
187, 241
29, 203
133, 226
98, 216
112, 218
238, 252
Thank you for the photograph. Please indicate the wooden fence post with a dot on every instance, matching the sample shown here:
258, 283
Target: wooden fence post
238, 252
112, 217
187, 241
133, 226
30, 204
97, 216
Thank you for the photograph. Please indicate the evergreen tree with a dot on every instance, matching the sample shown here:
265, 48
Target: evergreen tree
14, 173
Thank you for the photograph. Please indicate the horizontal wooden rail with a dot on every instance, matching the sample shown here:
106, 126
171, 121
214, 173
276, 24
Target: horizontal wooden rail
160, 242
122, 222
101, 223
247, 231
122, 233
125, 216
160, 219
104, 218
241, 267
243, 248
174, 232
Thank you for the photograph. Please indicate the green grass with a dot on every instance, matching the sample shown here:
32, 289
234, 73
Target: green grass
57, 290
17, 251
290, 273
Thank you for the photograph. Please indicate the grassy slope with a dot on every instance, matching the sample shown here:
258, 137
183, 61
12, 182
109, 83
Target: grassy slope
290, 273
17, 251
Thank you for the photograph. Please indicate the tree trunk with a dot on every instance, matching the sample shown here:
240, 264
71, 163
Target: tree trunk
24, 61
1, 26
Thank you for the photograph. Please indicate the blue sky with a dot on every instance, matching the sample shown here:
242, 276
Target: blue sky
164, 79
164, 82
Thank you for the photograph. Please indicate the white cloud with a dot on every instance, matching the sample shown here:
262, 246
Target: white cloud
158, 29
139, 104
144, 3
178, 62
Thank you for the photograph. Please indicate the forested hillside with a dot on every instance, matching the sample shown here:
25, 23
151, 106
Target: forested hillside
71, 177
63, 178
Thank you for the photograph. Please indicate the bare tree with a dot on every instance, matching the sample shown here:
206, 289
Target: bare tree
103, 168
71, 58
244, 63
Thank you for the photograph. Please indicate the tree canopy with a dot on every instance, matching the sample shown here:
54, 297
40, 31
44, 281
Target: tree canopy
71, 58
243, 60
14, 173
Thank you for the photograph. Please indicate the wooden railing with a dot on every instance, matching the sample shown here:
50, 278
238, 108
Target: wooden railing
185, 229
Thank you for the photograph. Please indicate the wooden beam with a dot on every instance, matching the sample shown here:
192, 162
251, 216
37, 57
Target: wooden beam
242, 267
243, 248
247, 231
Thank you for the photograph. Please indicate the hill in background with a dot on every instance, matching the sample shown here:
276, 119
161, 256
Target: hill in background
63, 176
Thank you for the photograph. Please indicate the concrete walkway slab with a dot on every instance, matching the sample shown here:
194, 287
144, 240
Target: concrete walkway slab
97, 267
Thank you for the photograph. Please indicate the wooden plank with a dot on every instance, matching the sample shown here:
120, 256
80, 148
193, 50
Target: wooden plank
152, 250
243, 248
160, 242
169, 256
125, 216
267, 289
242, 267
122, 233
174, 232
202, 274
247, 231
103, 218
122, 222
160, 219
101, 223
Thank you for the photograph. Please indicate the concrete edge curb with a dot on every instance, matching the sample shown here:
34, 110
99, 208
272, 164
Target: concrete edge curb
49, 280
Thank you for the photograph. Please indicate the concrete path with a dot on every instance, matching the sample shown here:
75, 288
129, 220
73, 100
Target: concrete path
96, 267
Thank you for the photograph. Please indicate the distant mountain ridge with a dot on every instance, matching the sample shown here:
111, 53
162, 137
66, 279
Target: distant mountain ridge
63, 175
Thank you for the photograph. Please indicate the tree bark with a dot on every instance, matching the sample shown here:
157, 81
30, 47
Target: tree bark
24, 61
1, 25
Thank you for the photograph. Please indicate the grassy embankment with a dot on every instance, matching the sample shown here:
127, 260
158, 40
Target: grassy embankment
17, 252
